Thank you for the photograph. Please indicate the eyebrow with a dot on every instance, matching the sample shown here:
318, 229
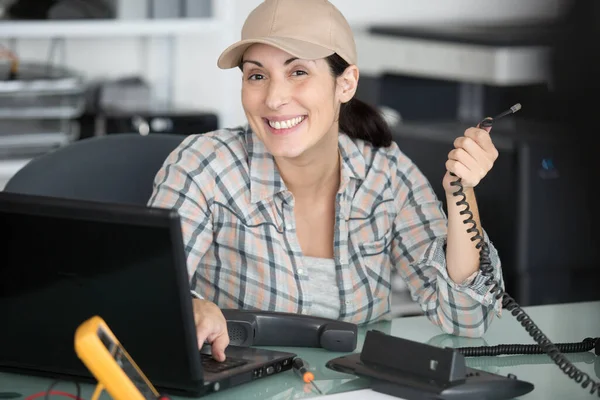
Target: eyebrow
287, 62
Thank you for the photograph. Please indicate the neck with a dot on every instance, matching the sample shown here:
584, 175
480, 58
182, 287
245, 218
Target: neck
314, 174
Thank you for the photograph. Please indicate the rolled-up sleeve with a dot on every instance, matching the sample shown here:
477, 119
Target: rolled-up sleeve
418, 254
176, 187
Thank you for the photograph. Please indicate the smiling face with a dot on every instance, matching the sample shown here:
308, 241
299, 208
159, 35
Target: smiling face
292, 105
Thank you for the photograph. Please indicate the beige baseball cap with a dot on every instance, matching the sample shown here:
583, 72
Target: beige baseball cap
307, 29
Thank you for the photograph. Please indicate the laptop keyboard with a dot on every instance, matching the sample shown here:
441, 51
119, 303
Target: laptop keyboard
209, 364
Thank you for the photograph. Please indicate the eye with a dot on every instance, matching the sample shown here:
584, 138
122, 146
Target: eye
299, 72
255, 77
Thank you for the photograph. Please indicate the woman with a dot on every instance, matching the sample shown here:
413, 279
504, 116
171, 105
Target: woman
312, 206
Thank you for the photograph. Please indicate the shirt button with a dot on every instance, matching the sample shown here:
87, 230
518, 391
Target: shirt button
300, 271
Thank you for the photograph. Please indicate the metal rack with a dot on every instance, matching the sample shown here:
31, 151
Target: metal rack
158, 43
41, 91
38, 109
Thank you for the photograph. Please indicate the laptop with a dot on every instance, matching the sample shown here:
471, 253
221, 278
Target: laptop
64, 261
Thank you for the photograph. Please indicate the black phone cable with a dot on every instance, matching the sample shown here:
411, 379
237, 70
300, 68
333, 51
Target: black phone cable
508, 303
586, 344
519, 361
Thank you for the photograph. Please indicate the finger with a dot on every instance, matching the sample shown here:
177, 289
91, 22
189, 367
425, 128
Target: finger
486, 120
461, 171
467, 160
203, 331
484, 140
219, 345
484, 159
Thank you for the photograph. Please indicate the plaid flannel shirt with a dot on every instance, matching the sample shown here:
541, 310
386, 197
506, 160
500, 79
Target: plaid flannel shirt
242, 250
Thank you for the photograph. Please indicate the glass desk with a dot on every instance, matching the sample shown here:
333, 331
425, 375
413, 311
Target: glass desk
561, 323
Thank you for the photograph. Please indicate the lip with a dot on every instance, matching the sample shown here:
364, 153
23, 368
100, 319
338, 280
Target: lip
284, 131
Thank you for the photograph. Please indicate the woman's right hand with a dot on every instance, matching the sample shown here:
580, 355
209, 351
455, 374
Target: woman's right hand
211, 326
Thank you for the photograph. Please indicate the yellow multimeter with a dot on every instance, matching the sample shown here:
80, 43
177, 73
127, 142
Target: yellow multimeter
98, 348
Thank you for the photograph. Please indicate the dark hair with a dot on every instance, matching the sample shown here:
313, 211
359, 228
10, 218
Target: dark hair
358, 119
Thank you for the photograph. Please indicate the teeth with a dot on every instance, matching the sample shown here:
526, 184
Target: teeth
286, 124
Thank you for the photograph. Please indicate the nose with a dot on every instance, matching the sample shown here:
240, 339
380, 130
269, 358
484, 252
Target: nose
278, 94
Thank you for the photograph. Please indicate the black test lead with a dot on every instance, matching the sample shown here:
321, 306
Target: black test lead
487, 122
301, 368
511, 110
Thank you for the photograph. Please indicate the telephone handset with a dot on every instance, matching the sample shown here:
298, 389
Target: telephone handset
509, 304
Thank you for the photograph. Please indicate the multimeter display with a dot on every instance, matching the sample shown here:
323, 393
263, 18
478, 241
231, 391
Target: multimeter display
124, 362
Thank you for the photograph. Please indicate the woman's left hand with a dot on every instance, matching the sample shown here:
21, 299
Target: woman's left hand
471, 159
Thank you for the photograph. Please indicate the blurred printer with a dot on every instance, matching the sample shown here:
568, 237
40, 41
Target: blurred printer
534, 203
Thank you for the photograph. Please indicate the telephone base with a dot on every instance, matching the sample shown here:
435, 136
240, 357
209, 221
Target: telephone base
417, 371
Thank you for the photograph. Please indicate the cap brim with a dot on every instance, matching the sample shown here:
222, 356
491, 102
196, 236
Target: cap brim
232, 56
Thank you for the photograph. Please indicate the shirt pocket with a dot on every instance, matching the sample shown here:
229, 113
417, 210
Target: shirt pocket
375, 260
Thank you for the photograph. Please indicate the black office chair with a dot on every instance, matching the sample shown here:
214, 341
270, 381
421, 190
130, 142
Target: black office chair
117, 168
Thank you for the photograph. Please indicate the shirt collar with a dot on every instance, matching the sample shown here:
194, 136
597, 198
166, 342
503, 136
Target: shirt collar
265, 180
353, 160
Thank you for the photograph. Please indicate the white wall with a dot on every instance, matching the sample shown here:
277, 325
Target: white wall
196, 78
360, 12
446, 11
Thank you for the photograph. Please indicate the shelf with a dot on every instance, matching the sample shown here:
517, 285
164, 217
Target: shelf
107, 28
435, 59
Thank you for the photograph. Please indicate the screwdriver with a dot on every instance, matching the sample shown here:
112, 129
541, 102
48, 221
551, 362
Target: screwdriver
301, 368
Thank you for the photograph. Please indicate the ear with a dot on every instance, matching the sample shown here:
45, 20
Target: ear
347, 83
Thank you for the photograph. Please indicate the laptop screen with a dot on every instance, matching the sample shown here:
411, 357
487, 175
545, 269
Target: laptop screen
66, 261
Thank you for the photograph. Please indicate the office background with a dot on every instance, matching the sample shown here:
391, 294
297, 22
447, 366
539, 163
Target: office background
149, 66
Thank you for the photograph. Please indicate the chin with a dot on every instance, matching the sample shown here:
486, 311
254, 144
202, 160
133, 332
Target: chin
284, 146
287, 150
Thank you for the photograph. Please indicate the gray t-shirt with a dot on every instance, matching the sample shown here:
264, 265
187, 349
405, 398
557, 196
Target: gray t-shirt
322, 286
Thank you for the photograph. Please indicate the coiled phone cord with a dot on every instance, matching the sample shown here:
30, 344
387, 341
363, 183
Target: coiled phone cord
519, 361
586, 344
508, 303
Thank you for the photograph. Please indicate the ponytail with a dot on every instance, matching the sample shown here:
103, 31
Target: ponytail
359, 120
